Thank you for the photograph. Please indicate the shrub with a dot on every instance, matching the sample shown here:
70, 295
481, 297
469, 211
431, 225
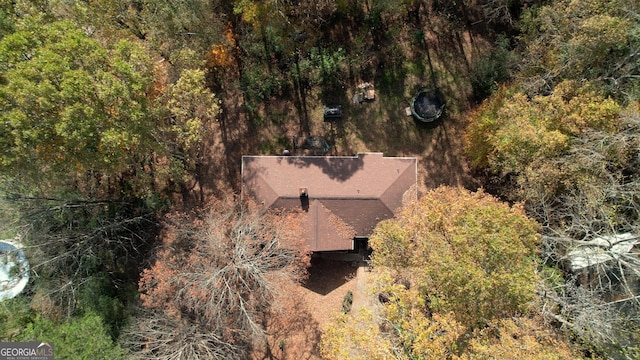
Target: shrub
490, 70
78, 338
347, 302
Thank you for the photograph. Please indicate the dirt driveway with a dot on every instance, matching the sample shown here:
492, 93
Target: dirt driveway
315, 303
329, 282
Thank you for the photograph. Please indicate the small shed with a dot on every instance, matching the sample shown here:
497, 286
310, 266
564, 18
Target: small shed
603, 259
601, 250
365, 92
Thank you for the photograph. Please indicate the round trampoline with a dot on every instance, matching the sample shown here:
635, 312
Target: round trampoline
427, 105
14, 270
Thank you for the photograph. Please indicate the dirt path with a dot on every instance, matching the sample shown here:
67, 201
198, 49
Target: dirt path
320, 299
328, 283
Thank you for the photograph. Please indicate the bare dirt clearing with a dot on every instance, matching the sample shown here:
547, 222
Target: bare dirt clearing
434, 54
316, 302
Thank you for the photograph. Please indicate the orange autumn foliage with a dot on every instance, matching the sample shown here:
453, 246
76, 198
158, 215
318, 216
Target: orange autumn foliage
221, 273
221, 55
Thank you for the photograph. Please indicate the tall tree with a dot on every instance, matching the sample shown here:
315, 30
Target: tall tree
454, 271
564, 134
518, 338
215, 280
470, 254
587, 199
89, 141
169, 28
82, 113
186, 113
364, 336
72, 106
582, 40
510, 130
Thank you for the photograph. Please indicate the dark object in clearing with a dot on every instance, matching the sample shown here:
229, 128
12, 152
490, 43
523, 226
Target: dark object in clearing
316, 145
383, 298
427, 105
332, 112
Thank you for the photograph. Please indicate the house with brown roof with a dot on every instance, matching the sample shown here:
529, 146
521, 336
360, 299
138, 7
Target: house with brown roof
342, 197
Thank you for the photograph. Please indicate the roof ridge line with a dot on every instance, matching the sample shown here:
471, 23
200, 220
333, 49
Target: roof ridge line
382, 196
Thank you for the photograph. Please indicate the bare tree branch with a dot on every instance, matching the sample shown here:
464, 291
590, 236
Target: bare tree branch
217, 277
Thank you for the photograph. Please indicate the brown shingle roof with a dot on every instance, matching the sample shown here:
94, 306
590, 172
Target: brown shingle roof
347, 195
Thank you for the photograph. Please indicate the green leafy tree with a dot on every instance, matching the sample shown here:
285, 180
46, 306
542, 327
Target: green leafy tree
168, 28
188, 111
588, 39
509, 131
469, 254
79, 113
88, 145
81, 252
566, 131
77, 153
72, 106
82, 337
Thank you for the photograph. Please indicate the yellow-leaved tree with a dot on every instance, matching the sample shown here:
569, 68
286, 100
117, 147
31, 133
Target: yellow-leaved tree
510, 131
518, 338
466, 253
447, 267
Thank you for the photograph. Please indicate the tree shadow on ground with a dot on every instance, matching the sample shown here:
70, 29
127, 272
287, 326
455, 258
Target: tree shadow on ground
444, 163
425, 49
437, 54
229, 137
339, 169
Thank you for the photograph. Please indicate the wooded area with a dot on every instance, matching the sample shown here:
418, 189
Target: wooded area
122, 126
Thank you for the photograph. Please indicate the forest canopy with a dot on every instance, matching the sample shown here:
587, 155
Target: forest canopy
122, 121
450, 267
562, 137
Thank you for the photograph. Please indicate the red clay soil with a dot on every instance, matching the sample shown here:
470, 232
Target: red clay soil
315, 303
